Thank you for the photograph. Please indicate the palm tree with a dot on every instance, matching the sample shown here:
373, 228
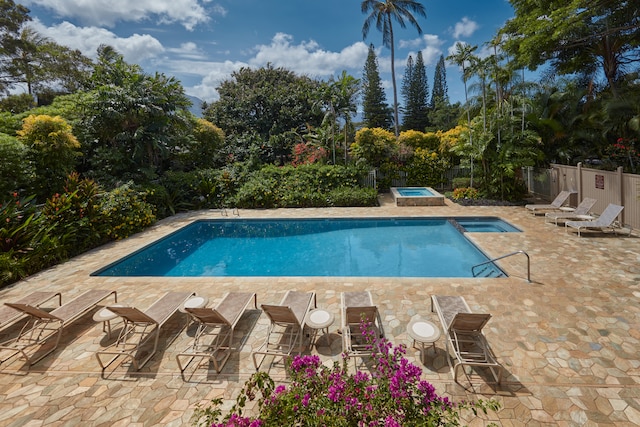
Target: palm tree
383, 13
462, 56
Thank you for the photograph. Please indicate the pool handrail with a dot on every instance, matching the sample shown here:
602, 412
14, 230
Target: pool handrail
505, 256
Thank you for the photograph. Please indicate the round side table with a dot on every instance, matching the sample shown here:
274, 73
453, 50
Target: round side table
319, 320
196, 301
423, 332
105, 316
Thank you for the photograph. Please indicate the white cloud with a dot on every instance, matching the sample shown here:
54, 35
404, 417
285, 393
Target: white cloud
218, 72
465, 28
188, 13
307, 57
133, 48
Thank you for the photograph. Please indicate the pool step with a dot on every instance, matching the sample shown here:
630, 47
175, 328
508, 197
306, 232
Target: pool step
489, 270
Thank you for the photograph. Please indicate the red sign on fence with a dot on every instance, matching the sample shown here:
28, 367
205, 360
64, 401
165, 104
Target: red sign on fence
600, 182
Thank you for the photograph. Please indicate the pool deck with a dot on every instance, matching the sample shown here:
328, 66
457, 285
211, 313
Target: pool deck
569, 341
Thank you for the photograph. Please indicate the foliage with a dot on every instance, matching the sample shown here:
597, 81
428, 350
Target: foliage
426, 168
306, 153
266, 102
74, 217
125, 211
132, 122
19, 103
346, 196
203, 149
383, 13
415, 90
462, 193
15, 170
53, 150
42, 65
624, 153
12, 18
575, 36
374, 146
303, 186
375, 111
416, 139
391, 394
440, 91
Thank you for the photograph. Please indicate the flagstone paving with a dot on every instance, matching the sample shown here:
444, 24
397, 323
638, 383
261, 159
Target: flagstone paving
568, 341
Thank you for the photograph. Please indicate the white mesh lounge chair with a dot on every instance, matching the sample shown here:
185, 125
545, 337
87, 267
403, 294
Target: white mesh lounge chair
606, 221
9, 315
33, 344
580, 213
356, 308
465, 343
286, 328
214, 335
141, 327
556, 204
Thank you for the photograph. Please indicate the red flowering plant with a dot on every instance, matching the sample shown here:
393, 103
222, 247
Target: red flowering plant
623, 153
390, 394
305, 153
16, 223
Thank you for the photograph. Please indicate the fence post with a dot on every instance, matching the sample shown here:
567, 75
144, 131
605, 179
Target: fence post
621, 194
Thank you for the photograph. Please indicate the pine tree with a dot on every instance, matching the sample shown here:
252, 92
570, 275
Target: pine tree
376, 112
440, 94
415, 90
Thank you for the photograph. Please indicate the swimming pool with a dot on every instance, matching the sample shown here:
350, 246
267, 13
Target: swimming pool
486, 225
354, 247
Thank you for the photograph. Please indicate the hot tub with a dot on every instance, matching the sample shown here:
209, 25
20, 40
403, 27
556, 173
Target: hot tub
417, 196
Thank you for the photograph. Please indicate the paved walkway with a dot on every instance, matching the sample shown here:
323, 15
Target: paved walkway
569, 341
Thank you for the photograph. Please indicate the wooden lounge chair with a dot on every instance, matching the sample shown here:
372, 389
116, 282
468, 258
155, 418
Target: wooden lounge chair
356, 308
10, 315
286, 330
32, 342
606, 221
141, 327
214, 334
580, 213
556, 204
465, 342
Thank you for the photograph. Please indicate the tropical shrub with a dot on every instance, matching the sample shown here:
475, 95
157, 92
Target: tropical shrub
417, 139
465, 193
302, 186
125, 211
15, 169
75, 217
374, 146
352, 196
426, 167
53, 150
390, 394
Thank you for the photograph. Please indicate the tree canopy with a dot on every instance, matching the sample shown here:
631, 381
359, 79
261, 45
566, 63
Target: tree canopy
415, 90
376, 112
584, 37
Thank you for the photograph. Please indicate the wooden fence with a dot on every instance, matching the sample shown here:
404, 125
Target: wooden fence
604, 186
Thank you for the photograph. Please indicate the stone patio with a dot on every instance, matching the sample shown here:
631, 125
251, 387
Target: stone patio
568, 341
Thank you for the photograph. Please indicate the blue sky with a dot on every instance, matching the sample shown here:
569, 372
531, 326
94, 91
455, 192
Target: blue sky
201, 42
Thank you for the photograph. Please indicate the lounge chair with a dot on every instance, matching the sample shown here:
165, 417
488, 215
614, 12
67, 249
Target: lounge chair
43, 325
606, 221
555, 205
286, 330
141, 327
465, 343
581, 212
214, 334
10, 315
356, 308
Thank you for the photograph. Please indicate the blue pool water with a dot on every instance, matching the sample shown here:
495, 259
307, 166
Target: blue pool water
407, 247
414, 192
486, 225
